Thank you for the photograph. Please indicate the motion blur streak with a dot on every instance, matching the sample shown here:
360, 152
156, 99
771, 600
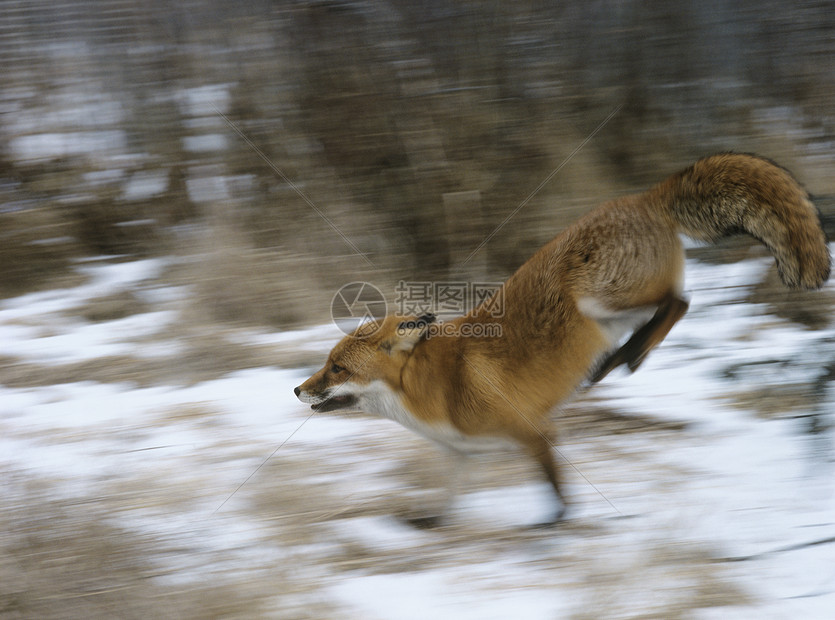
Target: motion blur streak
163, 289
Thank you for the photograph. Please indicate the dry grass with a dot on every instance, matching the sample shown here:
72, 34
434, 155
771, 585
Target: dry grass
201, 358
812, 309
63, 558
617, 588
233, 282
35, 252
777, 401
588, 418
304, 503
112, 307
67, 557
79, 558
104, 225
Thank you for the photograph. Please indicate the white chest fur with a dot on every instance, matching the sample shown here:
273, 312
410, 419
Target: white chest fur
379, 399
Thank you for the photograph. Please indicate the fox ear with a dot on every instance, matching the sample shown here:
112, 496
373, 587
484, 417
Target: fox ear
409, 333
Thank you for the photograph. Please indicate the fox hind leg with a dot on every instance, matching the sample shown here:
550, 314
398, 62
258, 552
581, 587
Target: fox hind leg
541, 449
645, 338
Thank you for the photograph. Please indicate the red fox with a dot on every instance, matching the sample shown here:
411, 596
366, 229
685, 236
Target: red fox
618, 269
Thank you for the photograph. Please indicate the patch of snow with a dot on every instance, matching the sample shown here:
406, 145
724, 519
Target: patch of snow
45, 146
444, 593
205, 143
60, 339
205, 100
145, 184
734, 486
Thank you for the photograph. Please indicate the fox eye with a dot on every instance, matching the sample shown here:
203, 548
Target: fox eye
336, 369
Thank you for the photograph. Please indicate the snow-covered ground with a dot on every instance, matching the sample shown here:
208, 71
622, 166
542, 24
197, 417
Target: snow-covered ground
722, 512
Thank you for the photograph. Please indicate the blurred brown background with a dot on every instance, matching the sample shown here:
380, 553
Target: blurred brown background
269, 153
268, 143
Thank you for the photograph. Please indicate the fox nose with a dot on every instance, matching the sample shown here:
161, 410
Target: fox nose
297, 390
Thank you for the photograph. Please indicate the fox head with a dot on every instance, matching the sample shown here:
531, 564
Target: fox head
364, 365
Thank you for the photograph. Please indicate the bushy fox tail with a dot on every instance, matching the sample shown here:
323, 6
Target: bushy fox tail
733, 193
